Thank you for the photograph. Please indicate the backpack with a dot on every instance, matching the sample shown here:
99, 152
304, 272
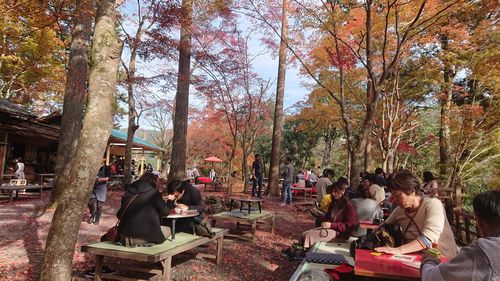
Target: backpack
386, 235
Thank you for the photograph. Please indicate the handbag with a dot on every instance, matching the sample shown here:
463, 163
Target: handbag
113, 235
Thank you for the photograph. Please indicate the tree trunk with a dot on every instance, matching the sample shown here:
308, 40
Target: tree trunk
327, 153
132, 116
97, 125
371, 104
74, 98
274, 167
244, 169
368, 156
179, 140
444, 131
389, 161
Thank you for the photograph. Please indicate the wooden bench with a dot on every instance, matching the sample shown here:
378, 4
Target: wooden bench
160, 254
246, 219
11, 189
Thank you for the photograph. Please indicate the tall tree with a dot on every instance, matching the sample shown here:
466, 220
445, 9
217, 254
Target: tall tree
97, 125
278, 108
75, 95
145, 19
179, 140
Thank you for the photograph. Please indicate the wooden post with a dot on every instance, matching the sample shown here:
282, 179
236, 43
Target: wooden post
158, 162
142, 163
3, 153
108, 154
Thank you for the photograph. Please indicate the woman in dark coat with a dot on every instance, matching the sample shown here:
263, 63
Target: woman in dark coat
187, 197
140, 223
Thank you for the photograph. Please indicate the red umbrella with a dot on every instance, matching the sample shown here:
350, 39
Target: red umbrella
212, 159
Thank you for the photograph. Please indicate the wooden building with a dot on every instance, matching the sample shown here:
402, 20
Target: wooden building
24, 135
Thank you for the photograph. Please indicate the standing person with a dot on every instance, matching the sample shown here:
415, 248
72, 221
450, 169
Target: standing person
98, 196
479, 260
430, 185
288, 172
323, 183
212, 175
257, 175
19, 173
196, 174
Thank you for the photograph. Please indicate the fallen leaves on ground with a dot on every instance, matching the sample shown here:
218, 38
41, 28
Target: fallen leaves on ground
24, 226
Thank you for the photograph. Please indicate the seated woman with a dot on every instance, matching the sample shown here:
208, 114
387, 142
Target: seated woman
339, 222
422, 219
189, 198
366, 208
430, 187
140, 222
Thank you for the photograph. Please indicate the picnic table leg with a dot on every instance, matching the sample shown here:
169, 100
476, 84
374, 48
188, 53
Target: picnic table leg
260, 207
167, 268
249, 206
11, 195
173, 229
98, 267
231, 205
219, 249
273, 220
254, 227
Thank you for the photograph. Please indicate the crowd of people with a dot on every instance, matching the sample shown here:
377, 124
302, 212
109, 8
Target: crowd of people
419, 215
411, 206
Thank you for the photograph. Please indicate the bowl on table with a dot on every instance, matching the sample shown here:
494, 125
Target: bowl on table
177, 210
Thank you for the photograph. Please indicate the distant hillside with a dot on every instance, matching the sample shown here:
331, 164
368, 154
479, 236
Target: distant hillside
148, 135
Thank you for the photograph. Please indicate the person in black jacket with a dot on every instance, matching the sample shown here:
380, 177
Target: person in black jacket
188, 197
140, 222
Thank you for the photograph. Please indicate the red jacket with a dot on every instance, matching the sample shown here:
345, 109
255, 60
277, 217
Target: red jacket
346, 220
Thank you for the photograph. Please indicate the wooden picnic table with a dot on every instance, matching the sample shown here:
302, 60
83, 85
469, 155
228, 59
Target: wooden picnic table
174, 217
216, 185
42, 175
246, 219
382, 266
158, 256
17, 188
248, 200
305, 190
341, 248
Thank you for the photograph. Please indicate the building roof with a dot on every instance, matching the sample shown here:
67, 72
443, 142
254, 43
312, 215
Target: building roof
121, 137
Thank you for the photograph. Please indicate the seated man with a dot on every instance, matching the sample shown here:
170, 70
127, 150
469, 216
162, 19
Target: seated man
478, 261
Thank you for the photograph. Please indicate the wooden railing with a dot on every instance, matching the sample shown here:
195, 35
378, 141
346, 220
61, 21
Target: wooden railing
464, 226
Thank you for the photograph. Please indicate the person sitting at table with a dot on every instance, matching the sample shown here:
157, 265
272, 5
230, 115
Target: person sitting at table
478, 261
377, 192
430, 184
187, 197
422, 219
140, 221
339, 222
366, 208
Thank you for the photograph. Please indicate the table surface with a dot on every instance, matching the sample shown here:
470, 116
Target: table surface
183, 215
368, 225
383, 266
246, 199
341, 248
28, 186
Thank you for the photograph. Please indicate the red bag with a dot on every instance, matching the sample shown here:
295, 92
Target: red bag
112, 234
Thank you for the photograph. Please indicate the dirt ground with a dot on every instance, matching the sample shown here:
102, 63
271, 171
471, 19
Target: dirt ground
24, 225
